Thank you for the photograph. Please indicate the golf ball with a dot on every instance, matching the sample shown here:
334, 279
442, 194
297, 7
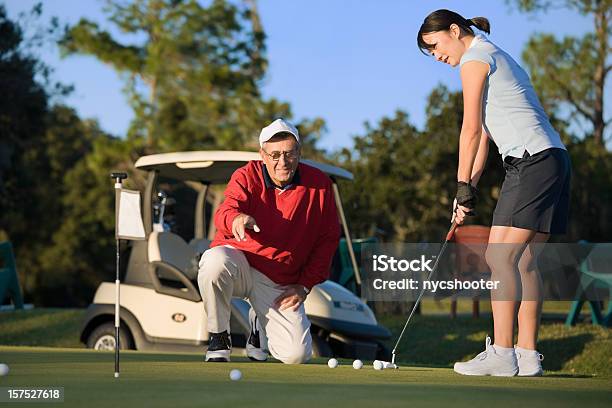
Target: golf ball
357, 364
235, 375
332, 363
378, 365
4, 369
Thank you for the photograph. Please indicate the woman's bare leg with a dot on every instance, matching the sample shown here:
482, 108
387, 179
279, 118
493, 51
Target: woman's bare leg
506, 246
530, 309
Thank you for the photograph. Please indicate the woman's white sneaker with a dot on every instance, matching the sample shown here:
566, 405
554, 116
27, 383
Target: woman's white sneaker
490, 362
529, 362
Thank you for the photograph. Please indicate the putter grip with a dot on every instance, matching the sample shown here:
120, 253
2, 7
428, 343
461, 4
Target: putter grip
451, 232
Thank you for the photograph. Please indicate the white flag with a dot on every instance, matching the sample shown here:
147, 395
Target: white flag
129, 220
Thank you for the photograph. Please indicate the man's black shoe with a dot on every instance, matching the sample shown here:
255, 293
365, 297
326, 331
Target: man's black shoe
253, 347
219, 347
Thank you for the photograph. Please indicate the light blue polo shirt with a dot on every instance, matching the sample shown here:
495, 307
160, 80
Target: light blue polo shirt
512, 113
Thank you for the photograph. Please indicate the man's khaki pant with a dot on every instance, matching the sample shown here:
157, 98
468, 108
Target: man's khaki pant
225, 273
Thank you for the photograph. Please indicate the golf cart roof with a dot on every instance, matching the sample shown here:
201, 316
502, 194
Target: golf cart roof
214, 167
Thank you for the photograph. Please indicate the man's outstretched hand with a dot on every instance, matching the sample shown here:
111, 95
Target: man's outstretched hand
240, 223
291, 298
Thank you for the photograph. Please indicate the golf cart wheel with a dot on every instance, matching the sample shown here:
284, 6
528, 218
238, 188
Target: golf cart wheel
103, 338
320, 348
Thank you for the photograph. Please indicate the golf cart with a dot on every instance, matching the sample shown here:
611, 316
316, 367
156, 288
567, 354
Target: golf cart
161, 308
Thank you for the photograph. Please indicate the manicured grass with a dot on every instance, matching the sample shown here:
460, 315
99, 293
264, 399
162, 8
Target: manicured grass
182, 380
432, 340
60, 327
440, 341
41, 327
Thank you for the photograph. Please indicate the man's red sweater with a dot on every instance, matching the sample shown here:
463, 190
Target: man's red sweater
299, 228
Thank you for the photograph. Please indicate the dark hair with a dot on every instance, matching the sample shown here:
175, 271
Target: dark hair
441, 20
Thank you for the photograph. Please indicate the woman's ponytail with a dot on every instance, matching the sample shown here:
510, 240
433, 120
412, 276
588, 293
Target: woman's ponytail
480, 23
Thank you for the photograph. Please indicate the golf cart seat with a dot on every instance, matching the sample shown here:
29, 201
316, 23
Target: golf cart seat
173, 265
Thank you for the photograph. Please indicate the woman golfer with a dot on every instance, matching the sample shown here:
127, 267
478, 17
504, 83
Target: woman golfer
500, 104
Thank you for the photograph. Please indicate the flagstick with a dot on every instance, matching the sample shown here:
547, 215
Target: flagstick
117, 320
118, 180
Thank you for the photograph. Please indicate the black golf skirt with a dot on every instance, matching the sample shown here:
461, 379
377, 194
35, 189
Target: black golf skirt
535, 194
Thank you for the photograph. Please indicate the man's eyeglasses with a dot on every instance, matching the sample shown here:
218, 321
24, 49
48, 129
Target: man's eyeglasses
289, 155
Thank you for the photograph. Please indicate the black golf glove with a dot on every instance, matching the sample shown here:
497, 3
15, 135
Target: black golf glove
466, 195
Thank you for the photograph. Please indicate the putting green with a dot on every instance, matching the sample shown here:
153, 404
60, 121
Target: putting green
177, 380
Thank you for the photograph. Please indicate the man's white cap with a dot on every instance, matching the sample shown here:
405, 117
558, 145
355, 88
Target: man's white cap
278, 126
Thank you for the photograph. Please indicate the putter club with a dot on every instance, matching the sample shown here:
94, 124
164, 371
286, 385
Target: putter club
449, 236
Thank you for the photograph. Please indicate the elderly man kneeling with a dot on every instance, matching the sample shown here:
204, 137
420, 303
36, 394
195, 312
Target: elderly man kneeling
277, 231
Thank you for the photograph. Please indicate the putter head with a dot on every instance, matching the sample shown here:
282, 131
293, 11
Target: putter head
395, 366
387, 364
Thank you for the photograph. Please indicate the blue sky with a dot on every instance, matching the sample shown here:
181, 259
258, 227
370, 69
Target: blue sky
347, 61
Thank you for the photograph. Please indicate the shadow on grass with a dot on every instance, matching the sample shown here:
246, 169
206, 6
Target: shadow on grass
437, 341
564, 349
568, 376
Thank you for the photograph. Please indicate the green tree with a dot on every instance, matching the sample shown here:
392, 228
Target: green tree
200, 67
39, 145
23, 162
591, 199
22, 109
405, 178
79, 255
570, 74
